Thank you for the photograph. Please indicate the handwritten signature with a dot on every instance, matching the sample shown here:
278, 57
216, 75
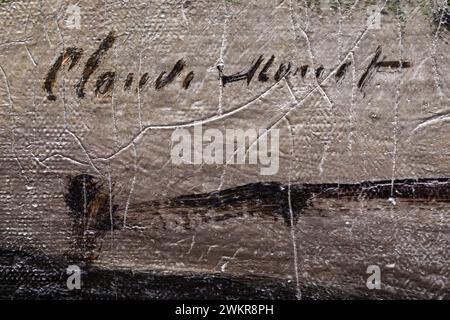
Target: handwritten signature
106, 81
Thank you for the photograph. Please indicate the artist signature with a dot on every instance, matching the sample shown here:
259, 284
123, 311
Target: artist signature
258, 69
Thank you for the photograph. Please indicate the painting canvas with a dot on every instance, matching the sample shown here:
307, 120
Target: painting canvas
194, 149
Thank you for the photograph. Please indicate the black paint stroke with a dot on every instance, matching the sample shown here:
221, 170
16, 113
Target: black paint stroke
442, 18
394, 64
253, 68
263, 77
372, 67
304, 70
31, 274
282, 71
319, 72
342, 71
240, 76
88, 202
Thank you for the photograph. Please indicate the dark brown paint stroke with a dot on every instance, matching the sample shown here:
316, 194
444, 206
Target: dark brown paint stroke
188, 79
93, 63
73, 55
303, 70
162, 81
276, 195
143, 80
92, 212
105, 83
128, 81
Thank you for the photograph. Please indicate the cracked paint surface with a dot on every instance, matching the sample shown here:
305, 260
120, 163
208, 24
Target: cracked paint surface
353, 104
